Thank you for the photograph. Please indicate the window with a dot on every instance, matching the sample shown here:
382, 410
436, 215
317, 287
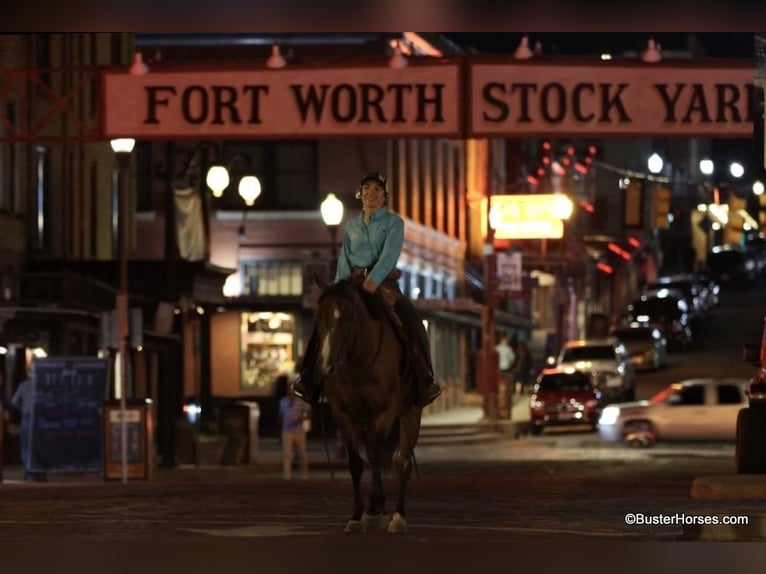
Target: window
729, 395
691, 395
288, 171
266, 349
272, 278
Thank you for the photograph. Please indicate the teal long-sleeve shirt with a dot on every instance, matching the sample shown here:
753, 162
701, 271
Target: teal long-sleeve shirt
376, 246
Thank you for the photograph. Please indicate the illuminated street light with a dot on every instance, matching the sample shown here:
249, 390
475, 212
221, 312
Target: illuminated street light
217, 179
332, 214
122, 148
707, 166
736, 169
249, 189
655, 163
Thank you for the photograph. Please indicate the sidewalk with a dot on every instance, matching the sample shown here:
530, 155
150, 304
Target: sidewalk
462, 426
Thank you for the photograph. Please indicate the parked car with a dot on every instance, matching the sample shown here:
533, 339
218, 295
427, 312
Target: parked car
607, 359
563, 396
692, 409
728, 264
689, 287
644, 344
667, 311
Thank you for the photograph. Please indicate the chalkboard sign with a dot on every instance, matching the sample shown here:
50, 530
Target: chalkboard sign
66, 432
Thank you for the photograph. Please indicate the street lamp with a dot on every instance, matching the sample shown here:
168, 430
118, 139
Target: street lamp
736, 169
707, 166
332, 214
122, 148
655, 163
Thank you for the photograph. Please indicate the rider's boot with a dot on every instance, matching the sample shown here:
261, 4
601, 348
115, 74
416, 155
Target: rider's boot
427, 387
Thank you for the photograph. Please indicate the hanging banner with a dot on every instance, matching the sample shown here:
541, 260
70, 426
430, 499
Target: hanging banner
421, 100
509, 271
633, 99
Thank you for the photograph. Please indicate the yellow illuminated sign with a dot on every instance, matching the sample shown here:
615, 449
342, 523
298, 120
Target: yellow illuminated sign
524, 216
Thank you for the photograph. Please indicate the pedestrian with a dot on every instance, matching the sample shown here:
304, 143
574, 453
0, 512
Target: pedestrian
522, 370
372, 245
23, 400
293, 416
505, 355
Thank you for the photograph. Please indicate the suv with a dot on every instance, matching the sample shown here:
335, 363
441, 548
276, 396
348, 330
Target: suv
607, 360
564, 397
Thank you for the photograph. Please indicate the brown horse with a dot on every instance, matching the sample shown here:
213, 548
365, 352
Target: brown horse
368, 385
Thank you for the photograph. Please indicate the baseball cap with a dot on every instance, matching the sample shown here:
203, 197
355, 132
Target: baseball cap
377, 178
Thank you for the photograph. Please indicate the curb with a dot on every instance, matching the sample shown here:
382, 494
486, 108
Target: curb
729, 487
755, 529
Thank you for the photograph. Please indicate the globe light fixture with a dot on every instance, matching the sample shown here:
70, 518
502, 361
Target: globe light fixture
217, 179
331, 210
655, 163
736, 169
249, 189
707, 166
758, 187
122, 145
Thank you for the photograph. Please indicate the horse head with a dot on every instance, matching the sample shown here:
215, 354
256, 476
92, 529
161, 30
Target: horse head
338, 314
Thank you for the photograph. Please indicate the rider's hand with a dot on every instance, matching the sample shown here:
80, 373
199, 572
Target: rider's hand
369, 286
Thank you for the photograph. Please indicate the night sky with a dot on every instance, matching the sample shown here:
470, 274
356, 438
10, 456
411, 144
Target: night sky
711, 44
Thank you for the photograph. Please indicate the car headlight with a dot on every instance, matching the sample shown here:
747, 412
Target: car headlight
609, 416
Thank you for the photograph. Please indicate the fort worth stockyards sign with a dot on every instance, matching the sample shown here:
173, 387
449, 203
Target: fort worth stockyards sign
604, 99
505, 99
420, 101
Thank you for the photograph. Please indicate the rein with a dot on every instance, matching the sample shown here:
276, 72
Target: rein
346, 347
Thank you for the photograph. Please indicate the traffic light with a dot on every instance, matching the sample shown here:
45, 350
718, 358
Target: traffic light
660, 207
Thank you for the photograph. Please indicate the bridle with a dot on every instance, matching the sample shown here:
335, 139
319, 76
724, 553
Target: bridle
350, 334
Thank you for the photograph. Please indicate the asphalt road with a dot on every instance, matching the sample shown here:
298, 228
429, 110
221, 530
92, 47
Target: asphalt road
496, 500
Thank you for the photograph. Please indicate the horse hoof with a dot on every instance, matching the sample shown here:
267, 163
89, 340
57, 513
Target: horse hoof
355, 527
376, 521
397, 524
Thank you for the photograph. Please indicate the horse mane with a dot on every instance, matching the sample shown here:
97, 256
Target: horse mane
373, 303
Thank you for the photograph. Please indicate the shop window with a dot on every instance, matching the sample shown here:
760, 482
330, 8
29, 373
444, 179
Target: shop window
267, 350
270, 278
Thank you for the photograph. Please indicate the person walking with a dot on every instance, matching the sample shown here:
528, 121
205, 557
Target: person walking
293, 414
23, 400
372, 245
505, 355
522, 370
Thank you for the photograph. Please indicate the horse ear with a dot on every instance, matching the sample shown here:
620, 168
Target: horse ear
320, 281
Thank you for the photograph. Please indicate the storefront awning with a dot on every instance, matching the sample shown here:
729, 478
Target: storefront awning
466, 311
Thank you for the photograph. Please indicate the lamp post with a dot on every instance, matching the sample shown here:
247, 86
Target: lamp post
122, 148
332, 214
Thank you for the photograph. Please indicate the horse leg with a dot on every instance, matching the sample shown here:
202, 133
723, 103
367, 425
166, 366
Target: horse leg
355, 468
403, 462
376, 518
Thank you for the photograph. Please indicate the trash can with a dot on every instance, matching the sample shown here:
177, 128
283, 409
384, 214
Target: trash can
239, 422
